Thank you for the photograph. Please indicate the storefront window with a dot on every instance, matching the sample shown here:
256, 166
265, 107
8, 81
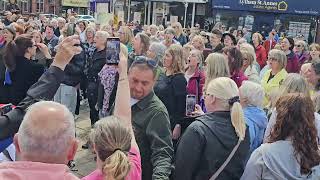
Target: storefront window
24, 5
40, 6
3, 5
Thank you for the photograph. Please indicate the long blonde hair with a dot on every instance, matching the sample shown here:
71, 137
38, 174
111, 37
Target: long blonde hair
128, 35
216, 66
112, 142
226, 89
176, 52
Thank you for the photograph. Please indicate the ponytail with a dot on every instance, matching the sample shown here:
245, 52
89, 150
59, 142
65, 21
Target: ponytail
9, 56
237, 120
117, 166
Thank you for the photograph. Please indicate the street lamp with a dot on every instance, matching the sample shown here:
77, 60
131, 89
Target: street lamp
185, 13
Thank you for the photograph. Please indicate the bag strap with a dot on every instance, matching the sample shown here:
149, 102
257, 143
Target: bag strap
217, 173
197, 90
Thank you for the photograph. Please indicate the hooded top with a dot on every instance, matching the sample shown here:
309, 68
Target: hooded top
276, 161
256, 120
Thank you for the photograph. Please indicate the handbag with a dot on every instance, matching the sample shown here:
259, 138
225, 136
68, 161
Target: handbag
217, 173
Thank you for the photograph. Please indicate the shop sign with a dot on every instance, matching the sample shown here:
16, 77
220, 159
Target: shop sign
75, 3
307, 7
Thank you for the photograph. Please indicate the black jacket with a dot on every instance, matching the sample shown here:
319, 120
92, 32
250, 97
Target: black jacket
205, 146
95, 64
23, 77
3, 91
74, 70
172, 91
44, 89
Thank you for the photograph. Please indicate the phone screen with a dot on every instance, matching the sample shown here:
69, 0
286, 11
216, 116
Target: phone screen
113, 51
70, 29
190, 104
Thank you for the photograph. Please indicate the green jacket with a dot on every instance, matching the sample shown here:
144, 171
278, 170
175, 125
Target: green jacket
151, 125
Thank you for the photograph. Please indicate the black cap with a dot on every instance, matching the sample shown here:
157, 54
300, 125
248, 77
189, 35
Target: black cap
231, 36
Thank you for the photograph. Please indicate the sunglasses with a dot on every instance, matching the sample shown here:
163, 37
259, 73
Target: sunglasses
297, 45
143, 60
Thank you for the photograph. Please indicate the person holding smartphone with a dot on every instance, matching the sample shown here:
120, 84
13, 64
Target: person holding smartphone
108, 76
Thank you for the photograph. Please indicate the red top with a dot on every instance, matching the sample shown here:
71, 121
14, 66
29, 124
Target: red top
293, 65
239, 77
198, 77
261, 55
267, 45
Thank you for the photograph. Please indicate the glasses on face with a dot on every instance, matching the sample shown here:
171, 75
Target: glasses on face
143, 60
297, 45
272, 59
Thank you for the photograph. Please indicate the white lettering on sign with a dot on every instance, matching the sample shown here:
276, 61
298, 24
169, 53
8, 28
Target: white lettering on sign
248, 2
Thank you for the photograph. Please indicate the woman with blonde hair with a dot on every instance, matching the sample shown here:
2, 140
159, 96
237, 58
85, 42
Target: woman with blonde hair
248, 68
180, 37
248, 47
216, 66
126, 37
194, 74
314, 50
301, 50
113, 139
173, 94
209, 141
198, 43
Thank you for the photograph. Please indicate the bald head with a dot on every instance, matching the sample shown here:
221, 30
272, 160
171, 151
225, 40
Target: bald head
47, 131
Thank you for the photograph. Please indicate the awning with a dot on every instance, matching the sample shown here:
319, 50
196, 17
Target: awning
306, 7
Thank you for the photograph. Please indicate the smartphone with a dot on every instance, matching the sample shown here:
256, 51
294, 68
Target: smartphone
113, 51
70, 29
190, 104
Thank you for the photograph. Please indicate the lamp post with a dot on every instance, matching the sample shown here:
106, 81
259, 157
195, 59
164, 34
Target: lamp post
185, 14
145, 11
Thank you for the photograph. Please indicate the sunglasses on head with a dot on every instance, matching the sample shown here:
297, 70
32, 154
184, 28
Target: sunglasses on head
143, 60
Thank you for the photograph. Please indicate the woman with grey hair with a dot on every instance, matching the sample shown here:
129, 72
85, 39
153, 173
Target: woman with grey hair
301, 50
251, 99
277, 73
156, 52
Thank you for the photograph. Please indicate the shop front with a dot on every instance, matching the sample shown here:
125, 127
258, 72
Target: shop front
77, 6
290, 18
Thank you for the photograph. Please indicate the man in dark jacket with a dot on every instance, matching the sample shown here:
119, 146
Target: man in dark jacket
150, 122
215, 41
45, 88
95, 64
51, 40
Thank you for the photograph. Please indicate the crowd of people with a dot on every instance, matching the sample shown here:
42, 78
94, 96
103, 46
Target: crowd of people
256, 114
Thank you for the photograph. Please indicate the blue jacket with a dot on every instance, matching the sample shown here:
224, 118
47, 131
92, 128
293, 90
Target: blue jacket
256, 120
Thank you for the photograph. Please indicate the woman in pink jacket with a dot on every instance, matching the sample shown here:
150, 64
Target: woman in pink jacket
194, 75
113, 140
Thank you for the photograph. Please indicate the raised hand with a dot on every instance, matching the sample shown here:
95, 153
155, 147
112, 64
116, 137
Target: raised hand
66, 50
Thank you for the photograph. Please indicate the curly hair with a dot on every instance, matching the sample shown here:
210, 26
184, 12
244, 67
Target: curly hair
296, 121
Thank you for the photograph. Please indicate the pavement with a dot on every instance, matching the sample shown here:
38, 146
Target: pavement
84, 160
